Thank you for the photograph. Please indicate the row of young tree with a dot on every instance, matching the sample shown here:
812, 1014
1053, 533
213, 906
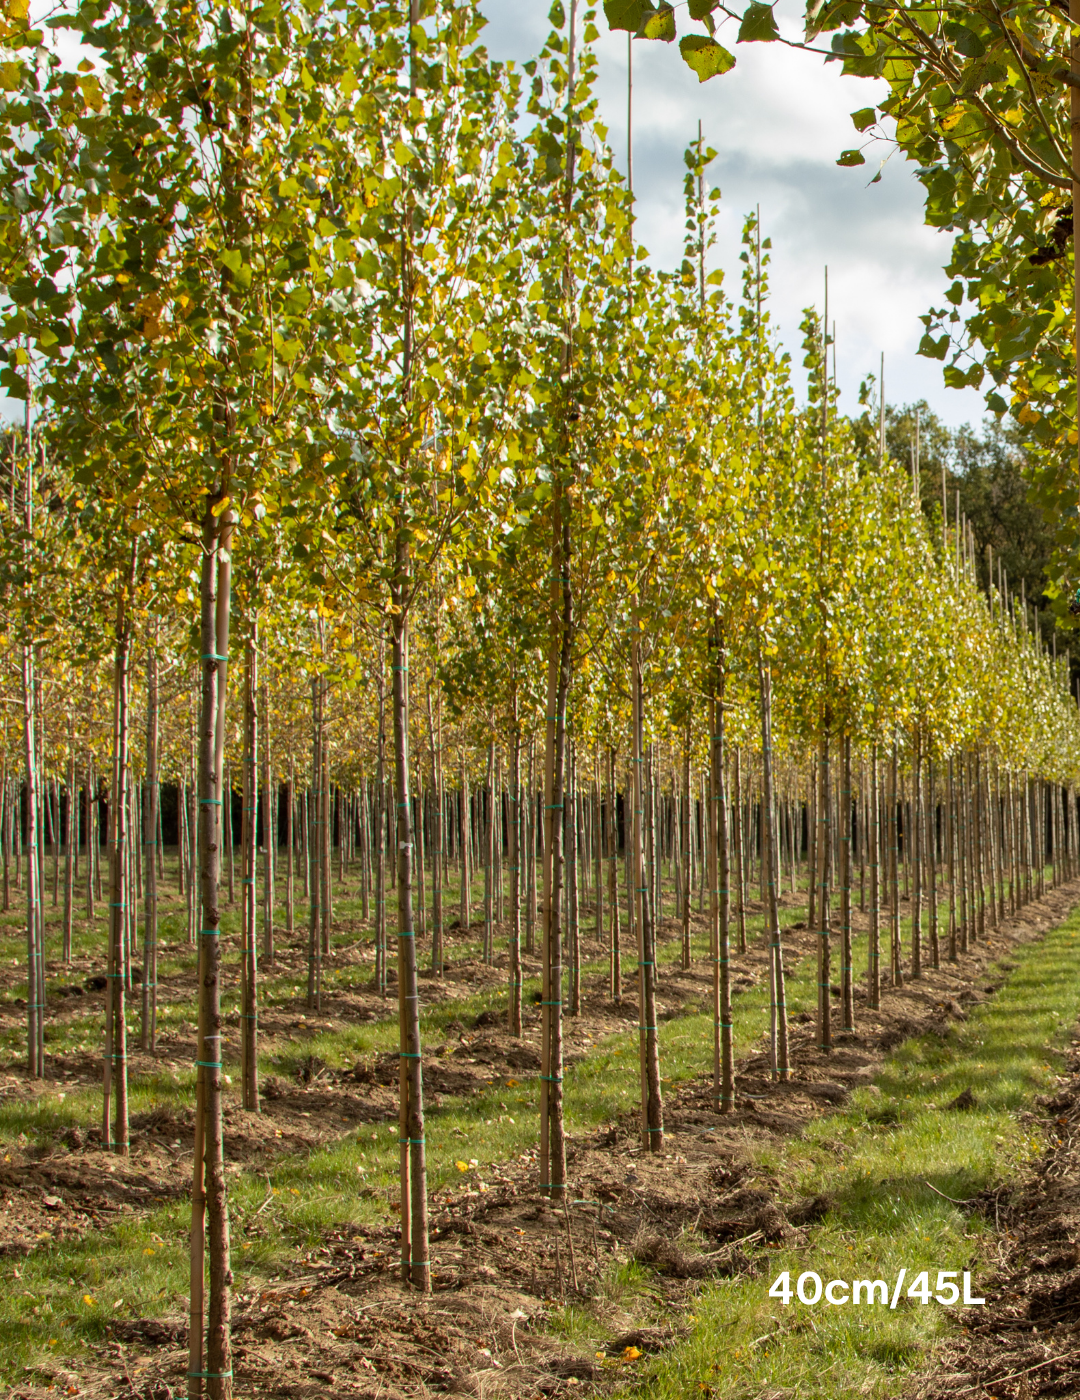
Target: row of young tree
985, 102
373, 463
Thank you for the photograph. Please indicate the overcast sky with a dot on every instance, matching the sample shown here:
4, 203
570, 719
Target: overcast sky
779, 120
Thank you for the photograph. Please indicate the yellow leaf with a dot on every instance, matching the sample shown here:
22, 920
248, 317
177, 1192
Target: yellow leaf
480, 342
462, 1166
631, 1353
88, 1300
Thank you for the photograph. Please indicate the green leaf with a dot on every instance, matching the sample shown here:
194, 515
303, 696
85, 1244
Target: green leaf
967, 42
956, 378
701, 9
758, 25
705, 56
625, 14
233, 260
933, 349
851, 158
661, 25
864, 118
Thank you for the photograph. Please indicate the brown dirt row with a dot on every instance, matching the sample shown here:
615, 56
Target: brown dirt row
341, 1324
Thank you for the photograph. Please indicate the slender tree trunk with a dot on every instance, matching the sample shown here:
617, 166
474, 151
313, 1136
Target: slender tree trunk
993, 832
326, 838
951, 823
847, 988
489, 857
570, 813
874, 835
740, 851
438, 799
34, 963
615, 959
269, 834
7, 833
684, 873
813, 818
779, 1028
863, 828
962, 852
716, 818
209, 1204
380, 832
54, 834
70, 837
931, 865
515, 878
465, 915
415, 1257
420, 823
192, 814
119, 889
249, 1035
150, 826
652, 1109
895, 944
290, 843
599, 872
916, 810
824, 891
315, 845
552, 1129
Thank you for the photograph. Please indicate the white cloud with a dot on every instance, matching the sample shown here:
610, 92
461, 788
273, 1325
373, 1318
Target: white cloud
778, 122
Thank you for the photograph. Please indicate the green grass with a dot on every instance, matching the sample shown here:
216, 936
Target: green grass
139, 1267
874, 1159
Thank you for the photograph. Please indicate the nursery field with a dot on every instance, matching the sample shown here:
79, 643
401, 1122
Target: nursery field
539, 847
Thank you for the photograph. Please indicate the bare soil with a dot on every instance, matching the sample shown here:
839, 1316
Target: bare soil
340, 1322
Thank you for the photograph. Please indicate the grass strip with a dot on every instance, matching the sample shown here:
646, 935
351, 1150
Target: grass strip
873, 1159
